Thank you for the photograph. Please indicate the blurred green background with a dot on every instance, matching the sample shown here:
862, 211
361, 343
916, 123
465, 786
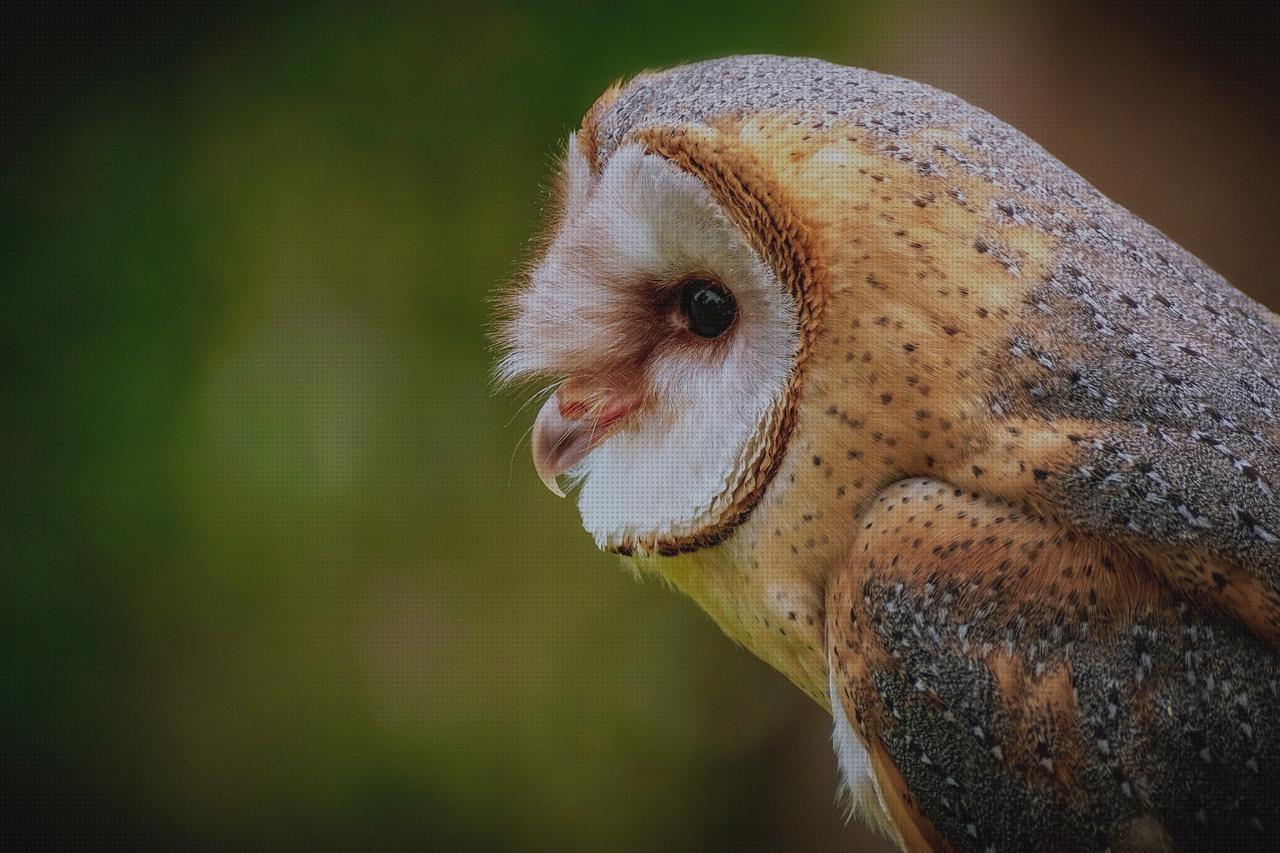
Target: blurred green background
277, 569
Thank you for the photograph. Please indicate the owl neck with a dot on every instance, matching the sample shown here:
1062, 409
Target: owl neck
762, 596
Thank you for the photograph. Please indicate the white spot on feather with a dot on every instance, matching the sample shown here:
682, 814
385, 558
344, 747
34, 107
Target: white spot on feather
858, 779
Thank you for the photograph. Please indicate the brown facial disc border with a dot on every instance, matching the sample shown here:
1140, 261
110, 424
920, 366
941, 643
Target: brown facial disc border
782, 239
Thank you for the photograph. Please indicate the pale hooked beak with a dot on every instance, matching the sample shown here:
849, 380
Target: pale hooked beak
567, 430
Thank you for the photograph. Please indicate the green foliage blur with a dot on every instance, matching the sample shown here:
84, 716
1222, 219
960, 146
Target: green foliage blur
278, 572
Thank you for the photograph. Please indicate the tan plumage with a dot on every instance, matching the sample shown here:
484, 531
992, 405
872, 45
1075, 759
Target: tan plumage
983, 463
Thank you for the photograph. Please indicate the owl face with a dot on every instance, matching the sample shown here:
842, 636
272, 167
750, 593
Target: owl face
674, 345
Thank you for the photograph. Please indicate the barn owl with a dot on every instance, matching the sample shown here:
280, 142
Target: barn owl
982, 462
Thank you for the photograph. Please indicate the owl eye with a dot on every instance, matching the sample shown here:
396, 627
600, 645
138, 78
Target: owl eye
708, 306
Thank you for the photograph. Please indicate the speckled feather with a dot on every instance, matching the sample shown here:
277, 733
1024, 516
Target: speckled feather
1067, 720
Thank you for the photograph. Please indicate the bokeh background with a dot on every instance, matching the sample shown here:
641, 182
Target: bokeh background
277, 572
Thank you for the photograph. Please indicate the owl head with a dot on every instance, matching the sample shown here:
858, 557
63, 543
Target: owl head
675, 302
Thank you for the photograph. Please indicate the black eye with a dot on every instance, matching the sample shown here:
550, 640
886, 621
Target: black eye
709, 307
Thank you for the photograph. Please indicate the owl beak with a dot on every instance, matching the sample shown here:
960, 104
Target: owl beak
567, 430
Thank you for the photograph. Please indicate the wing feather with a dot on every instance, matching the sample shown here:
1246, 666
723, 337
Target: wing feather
1020, 686
1175, 377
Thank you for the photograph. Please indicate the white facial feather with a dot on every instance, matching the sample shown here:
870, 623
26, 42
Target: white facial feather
644, 224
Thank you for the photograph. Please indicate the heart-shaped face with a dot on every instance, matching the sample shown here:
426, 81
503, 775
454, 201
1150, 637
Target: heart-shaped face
675, 345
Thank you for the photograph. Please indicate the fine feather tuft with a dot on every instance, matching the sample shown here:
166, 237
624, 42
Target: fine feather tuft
859, 791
